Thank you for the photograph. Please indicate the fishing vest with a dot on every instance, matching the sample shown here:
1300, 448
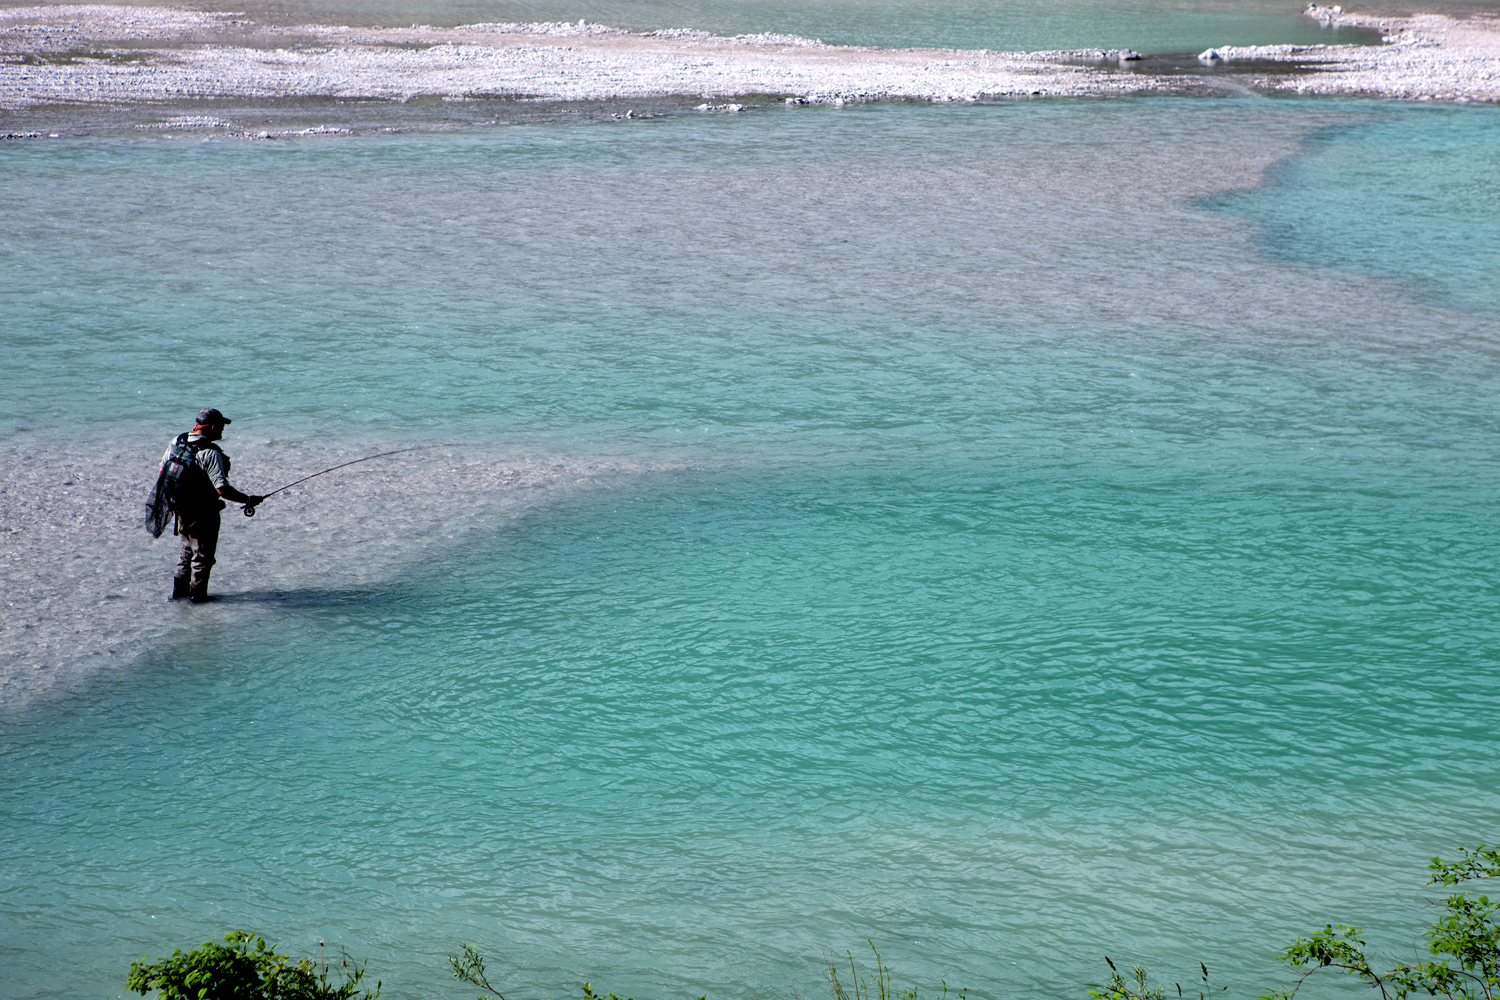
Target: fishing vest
185, 485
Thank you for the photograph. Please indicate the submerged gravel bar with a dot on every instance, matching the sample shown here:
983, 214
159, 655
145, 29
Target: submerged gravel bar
85, 586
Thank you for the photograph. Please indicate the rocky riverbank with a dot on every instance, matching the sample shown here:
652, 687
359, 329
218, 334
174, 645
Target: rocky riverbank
116, 54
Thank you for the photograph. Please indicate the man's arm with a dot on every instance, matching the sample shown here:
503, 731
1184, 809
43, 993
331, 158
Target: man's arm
213, 464
230, 493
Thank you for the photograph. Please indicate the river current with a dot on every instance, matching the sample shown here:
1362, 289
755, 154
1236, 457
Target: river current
1072, 533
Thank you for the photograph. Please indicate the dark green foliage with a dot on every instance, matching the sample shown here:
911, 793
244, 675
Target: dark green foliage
244, 967
1464, 943
881, 987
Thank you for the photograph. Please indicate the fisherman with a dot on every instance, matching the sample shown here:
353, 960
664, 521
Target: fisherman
194, 475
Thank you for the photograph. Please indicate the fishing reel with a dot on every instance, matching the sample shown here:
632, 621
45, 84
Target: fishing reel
249, 510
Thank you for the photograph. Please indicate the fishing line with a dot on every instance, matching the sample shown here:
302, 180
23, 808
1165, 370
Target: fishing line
250, 508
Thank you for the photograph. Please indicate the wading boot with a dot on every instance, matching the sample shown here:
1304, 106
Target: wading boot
200, 587
181, 590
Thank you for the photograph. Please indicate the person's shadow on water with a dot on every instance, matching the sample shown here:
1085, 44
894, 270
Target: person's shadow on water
307, 597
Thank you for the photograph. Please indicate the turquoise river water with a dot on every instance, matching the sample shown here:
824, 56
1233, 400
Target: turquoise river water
1073, 539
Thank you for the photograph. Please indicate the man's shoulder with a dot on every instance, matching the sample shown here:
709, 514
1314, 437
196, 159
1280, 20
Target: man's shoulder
209, 452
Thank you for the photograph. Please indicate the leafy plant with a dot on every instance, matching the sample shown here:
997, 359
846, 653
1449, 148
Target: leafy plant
244, 967
470, 968
1465, 943
1119, 989
881, 987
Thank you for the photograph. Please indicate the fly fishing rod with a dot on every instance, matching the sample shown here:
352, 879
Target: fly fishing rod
250, 508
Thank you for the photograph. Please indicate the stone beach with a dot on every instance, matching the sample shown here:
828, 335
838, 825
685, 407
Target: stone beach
116, 54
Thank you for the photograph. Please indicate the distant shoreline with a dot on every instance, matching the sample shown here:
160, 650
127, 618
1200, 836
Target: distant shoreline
101, 55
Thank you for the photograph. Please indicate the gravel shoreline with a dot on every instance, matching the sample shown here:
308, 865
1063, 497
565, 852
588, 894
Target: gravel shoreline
120, 54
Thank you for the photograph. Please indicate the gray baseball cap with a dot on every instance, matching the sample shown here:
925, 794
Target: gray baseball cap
212, 416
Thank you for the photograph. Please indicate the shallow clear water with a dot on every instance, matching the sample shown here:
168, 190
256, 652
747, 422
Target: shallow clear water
1065, 558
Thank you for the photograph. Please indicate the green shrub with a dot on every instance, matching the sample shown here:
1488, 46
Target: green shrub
243, 967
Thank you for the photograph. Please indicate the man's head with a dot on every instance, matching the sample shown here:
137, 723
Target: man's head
210, 424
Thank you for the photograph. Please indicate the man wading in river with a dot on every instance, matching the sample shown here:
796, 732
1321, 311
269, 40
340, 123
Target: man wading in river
194, 475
